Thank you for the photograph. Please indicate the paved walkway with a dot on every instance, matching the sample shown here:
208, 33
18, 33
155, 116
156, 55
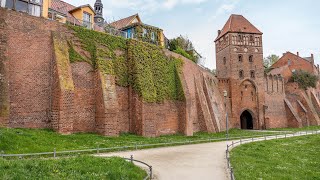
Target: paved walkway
189, 162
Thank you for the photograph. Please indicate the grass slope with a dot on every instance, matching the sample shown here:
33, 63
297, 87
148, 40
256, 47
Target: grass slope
293, 158
13, 141
84, 167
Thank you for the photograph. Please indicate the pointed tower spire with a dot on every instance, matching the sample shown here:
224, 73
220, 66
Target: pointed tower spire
98, 8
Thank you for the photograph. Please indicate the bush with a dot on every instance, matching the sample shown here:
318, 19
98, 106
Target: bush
305, 79
184, 53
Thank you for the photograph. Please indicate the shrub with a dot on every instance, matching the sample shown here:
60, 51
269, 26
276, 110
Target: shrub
305, 79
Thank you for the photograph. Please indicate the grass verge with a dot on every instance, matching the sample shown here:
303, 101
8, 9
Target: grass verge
293, 158
83, 167
14, 141
310, 128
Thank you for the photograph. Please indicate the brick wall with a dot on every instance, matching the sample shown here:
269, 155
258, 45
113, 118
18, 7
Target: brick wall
83, 77
123, 102
4, 67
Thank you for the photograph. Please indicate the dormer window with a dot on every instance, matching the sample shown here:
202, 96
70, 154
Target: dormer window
289, 62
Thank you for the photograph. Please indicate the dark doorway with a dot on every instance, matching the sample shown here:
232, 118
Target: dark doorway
246, 120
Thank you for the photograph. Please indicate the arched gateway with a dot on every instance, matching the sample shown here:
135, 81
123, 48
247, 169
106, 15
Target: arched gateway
246, 120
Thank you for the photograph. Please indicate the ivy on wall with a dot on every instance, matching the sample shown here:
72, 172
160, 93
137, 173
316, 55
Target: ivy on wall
144, 66
152, 74
147, 37
106, 52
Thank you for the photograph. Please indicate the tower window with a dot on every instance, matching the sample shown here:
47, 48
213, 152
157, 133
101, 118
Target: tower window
224, 60
241, 74
251, 58
252, 74
240, 37
251, 38
240, 58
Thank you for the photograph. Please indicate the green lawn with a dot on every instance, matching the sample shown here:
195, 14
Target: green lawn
310, 128
13, 141
293, 158
83, 167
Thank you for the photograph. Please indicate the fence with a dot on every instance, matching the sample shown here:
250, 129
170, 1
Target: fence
253, 139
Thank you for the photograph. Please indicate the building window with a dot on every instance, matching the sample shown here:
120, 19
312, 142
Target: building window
240, 38
33, 7
153, 37
241, 74
224, 60
251, 58
251, 39
87, 20
289, 62
144, 32
252, 74
240, 57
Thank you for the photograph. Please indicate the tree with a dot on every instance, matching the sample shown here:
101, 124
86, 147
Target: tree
304, 79
183, 46
270, 60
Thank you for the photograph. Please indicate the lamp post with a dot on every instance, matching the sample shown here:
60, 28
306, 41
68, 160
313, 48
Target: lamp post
225, 94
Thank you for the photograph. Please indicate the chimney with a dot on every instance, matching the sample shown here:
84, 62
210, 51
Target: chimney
298, 54
219, 32
318, 69
312, 59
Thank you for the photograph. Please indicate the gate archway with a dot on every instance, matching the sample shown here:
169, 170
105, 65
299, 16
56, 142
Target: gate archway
246, 119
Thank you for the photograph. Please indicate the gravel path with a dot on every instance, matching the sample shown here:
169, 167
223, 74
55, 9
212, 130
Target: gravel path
188, 162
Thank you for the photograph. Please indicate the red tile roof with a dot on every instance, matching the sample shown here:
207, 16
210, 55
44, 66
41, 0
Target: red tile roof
238, 23
124, 22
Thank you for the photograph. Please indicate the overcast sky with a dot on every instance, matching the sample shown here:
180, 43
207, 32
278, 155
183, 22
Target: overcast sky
288, 25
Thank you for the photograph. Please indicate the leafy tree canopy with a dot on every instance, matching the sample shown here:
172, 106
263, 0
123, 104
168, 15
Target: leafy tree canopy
269, 61
183, 46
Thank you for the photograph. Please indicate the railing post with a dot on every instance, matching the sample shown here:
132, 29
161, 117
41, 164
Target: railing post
252, 139
232, 143
150, 172
54, 153
285, 136
231, 173
276, 136
136, 146
265, 137
240, 141
131, 158
2, 154
98, 150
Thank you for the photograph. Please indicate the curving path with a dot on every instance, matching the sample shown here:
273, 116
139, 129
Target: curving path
188, 162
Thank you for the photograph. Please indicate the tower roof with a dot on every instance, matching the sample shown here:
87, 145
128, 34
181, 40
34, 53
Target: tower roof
238, 23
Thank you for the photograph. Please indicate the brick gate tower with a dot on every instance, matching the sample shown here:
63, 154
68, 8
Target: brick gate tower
240, 70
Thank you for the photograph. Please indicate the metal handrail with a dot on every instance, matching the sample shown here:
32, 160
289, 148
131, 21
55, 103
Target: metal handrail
264, 138
135, 146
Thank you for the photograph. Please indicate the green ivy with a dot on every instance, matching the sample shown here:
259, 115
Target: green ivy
147, 37
145, 67
74, 56
103, 50
152, 74
305, 79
